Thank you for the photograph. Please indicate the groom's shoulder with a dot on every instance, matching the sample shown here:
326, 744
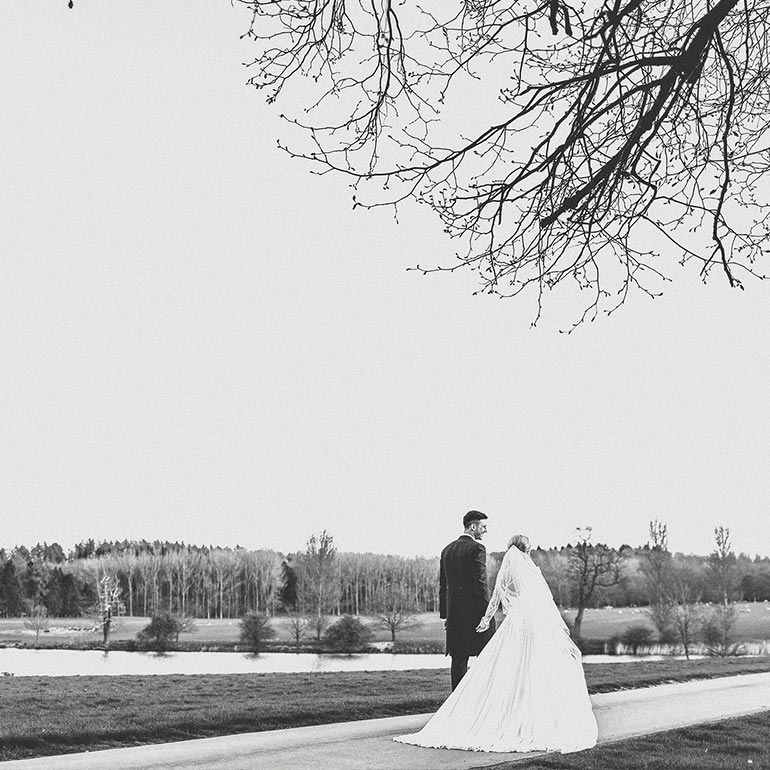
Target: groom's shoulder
466, 544
449, 547
454, 545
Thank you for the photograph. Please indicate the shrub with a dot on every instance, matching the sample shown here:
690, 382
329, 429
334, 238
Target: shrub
612, 645
589, 646
255, 628
160, 634
348, 634
298, 626
424, 647
669, 635
717, 632
636, 636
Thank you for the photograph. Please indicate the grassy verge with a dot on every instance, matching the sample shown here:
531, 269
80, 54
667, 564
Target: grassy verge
50, 715
734, 744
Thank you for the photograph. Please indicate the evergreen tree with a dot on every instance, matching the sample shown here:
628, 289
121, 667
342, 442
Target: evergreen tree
11, 603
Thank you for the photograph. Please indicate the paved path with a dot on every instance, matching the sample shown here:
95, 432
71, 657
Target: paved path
368, 744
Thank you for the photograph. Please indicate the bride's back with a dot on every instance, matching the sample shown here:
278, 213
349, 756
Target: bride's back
523, 589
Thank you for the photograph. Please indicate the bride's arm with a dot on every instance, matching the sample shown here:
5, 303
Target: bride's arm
508, 584
494, 603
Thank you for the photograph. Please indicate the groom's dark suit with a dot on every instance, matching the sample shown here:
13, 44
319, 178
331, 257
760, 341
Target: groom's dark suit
463, 598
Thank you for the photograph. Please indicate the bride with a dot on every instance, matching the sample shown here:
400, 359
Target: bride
526, 690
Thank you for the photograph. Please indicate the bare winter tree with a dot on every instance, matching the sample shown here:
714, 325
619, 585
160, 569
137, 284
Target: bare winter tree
686, 616
718, 628
36, 619
559, 143
318, 579
298, 626
591, 566
722, 565
396, 607
110, 605
656, 566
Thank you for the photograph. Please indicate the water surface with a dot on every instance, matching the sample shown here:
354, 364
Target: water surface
18, 662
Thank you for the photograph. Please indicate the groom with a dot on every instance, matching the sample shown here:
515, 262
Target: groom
463, 594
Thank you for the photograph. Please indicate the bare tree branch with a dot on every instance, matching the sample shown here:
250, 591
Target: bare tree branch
556, 143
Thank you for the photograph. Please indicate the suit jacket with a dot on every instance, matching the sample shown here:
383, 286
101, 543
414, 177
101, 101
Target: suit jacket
463, 595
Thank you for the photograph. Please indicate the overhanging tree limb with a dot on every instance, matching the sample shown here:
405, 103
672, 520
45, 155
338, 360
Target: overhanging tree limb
621, 120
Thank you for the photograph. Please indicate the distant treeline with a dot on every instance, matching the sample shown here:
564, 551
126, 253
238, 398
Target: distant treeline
209, 582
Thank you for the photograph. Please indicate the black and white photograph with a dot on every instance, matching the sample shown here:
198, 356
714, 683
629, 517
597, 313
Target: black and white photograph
384, 385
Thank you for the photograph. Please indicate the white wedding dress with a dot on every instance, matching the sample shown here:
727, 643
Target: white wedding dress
526, 690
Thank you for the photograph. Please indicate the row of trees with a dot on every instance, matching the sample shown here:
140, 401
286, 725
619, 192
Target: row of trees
153, 577
211, 582
592, 575
320, 581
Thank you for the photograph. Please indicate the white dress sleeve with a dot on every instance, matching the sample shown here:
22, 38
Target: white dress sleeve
507, 587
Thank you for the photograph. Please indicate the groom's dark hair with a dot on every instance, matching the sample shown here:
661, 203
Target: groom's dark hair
472, 516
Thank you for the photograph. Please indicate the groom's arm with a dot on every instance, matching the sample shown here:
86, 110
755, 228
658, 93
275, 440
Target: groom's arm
479, 571
442, 589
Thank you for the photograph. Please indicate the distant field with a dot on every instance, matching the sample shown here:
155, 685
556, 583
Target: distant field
752, 623
75, 630
207, 631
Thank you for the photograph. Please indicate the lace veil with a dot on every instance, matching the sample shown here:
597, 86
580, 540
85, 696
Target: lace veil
521, 589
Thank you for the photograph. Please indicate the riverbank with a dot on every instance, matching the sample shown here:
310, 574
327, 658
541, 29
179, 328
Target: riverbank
590, 648
47, 715
600, 626
427, 647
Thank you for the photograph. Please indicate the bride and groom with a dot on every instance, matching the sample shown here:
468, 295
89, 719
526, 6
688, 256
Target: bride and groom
526, 690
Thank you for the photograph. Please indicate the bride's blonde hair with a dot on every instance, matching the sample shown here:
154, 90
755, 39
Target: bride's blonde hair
521, 542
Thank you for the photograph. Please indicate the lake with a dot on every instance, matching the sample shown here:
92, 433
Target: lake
21, 662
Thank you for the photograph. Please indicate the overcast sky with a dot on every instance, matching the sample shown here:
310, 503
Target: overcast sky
203, 342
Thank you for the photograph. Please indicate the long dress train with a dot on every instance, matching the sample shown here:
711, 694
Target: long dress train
526, 690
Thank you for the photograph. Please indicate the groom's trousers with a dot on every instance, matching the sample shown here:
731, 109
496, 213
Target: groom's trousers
459, 667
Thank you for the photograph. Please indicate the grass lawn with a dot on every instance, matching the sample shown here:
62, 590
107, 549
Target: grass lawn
54, 715
734, 744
